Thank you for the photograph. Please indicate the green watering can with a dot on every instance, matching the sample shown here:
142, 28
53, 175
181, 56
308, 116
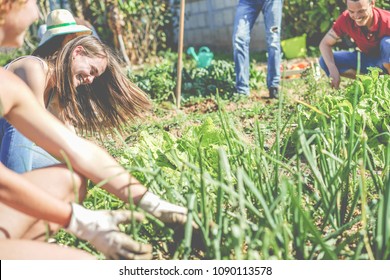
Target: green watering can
203, 58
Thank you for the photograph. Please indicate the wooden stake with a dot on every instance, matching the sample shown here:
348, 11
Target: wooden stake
180, 53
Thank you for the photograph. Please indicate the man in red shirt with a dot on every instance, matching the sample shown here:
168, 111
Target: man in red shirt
369, 28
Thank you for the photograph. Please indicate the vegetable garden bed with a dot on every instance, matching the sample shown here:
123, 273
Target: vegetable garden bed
303, 177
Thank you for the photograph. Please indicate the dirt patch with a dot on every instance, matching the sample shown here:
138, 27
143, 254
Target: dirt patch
206, 106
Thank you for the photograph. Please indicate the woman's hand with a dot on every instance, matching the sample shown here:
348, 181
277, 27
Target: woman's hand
100, 228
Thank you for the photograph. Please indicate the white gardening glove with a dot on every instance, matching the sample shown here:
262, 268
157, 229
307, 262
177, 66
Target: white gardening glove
173, 216
163, 210
100, 228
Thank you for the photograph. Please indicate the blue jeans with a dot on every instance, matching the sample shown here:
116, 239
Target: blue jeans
20, 154
59, 4
346, 60
246, 15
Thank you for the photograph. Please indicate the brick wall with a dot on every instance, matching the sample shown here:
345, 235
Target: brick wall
210, 22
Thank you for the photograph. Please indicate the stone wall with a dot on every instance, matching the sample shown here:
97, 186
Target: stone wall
210, 23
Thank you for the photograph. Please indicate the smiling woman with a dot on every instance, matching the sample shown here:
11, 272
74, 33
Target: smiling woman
88, 89
79, 80
85, 68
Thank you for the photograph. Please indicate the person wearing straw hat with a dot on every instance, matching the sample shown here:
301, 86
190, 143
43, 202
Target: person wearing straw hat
79, 80
60, 22
76, 26
33, 193
60, 27
16, 151
64, 26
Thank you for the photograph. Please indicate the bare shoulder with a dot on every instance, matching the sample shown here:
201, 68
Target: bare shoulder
34, 72
12, 90
8, 80
29, 65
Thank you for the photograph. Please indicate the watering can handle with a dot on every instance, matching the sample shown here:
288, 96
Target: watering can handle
204, 49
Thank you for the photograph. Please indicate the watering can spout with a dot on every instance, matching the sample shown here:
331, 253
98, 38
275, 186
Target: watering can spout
191, 51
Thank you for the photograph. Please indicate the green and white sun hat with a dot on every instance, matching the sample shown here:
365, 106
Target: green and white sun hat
62, 22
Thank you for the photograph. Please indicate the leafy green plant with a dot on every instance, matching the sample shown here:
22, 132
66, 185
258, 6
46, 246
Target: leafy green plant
158, 82
219, 77
382, 228
372, 109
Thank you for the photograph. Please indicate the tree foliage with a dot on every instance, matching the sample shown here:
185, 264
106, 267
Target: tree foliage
143, 26
146, 26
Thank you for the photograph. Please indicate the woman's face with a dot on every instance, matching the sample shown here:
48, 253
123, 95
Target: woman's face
85, 69
17, 20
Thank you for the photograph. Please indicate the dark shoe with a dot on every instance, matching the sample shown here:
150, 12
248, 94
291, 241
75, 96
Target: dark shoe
273, 92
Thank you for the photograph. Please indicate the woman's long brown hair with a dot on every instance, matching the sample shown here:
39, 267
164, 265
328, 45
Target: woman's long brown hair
111, 100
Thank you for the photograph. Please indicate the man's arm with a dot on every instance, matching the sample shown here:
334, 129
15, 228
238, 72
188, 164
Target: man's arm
326, 45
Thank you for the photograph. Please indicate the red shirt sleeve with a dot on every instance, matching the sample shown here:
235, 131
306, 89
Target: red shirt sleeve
385, 18
340, 24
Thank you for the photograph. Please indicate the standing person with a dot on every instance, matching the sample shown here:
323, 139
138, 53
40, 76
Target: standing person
369, 27
33, 193
246, 15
